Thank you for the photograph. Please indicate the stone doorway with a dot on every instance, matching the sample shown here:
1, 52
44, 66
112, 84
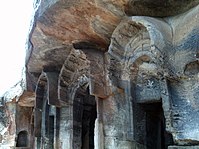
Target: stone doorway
84, 116
22, 139
156, 135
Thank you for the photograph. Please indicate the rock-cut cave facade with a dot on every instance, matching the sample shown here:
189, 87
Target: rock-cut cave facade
106, 74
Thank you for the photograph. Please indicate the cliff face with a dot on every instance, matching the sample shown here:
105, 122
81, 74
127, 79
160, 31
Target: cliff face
87, 23
79, 49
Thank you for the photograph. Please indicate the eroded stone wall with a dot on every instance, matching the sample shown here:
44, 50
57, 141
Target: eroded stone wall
96, 82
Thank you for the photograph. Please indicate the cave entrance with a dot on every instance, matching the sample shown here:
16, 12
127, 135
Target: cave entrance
22, 139
156, 135
84, 116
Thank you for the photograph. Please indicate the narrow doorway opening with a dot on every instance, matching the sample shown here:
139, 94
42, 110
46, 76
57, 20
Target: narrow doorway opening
22, 139
51, 131
84, 117
156, 135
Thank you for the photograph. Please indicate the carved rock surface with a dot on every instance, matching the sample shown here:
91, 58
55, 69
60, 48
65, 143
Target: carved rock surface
159, 8
147, 53
171, 47
62, 23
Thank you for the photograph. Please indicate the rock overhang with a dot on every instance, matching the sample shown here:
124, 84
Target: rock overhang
63, 23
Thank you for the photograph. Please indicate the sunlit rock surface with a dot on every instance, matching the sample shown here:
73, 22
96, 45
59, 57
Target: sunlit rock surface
62, 23
108, 74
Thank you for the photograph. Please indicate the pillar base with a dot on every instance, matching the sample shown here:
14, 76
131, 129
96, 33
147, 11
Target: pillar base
115, 143
183, 147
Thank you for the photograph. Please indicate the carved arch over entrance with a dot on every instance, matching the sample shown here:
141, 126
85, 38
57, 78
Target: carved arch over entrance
74, 73
39, 102
138, 47
135, 37
173, 48
44, 114
74, 81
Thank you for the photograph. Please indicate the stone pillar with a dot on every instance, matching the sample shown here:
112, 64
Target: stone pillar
99, 132
66, 127
185, 113
118, 125
98, 81
183, 77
